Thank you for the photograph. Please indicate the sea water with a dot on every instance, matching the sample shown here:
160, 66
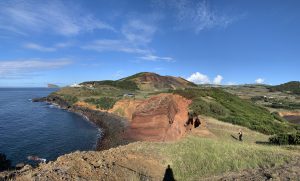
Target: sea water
40, 129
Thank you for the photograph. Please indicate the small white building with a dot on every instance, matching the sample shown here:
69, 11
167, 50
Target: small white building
75, 85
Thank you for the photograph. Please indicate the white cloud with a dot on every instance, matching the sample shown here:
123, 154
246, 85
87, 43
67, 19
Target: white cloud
25, 17
259, 81
35, 46
152, 57
218, 79
199, 78
19, 68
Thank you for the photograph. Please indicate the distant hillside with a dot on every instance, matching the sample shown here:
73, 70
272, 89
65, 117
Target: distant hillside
289, 87
152, 81
145, 81
52, 86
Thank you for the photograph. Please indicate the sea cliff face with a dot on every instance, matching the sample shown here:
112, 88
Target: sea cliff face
112, 126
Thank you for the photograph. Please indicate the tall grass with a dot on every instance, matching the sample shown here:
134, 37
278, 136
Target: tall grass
195, 157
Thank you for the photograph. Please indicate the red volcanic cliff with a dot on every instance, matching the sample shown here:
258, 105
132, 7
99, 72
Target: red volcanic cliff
159, 118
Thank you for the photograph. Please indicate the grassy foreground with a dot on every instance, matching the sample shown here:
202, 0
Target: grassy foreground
196, 157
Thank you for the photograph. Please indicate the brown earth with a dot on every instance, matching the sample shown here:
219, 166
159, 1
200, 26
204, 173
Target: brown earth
289, 113
121, 163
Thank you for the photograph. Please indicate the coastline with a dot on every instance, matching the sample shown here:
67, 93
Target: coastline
112, 127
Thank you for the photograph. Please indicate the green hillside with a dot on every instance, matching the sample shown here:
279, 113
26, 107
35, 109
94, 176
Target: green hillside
230, 108
290, 87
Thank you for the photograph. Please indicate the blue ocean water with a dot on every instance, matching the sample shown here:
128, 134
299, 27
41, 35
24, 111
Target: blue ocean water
40, 129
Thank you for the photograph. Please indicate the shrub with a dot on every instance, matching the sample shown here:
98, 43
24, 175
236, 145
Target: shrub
278, 117
103, 102
70, 99
286, 139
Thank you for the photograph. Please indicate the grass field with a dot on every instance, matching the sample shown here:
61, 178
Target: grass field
196, 157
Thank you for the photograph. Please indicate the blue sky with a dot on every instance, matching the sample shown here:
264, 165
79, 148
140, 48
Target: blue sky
221, 42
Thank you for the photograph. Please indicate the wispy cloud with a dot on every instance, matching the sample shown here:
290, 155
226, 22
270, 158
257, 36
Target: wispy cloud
138, 32
23, 17
135, 38
20, 68
38, 47
151, 57
195, 15
115, 45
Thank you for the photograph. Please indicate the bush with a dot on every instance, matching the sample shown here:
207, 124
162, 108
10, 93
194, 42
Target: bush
286, 139
103, 102
70, 99
278, 117
200, 106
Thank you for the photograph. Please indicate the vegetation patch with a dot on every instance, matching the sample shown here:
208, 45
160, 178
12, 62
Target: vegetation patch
286, 139
194, 157
122, 84
68, 98
103, 102
231, 108
289, 87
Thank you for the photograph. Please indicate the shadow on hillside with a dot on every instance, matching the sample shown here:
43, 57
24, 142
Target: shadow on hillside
262, 142
234, 137
169, 176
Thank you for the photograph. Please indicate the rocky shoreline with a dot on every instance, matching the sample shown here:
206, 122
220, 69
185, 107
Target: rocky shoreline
113, 127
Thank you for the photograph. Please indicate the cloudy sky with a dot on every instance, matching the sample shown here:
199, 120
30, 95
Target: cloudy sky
218, 42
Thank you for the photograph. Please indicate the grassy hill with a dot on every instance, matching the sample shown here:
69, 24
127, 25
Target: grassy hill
208, 101
152, 81
289, 87
145, 81
230, 108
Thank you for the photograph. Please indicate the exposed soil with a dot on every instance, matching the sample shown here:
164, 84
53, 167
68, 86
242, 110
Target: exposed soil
126, 107
291, 116
122, 163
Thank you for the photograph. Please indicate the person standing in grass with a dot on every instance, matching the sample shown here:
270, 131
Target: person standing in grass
240, 135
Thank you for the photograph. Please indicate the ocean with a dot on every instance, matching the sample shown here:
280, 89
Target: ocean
40, 129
